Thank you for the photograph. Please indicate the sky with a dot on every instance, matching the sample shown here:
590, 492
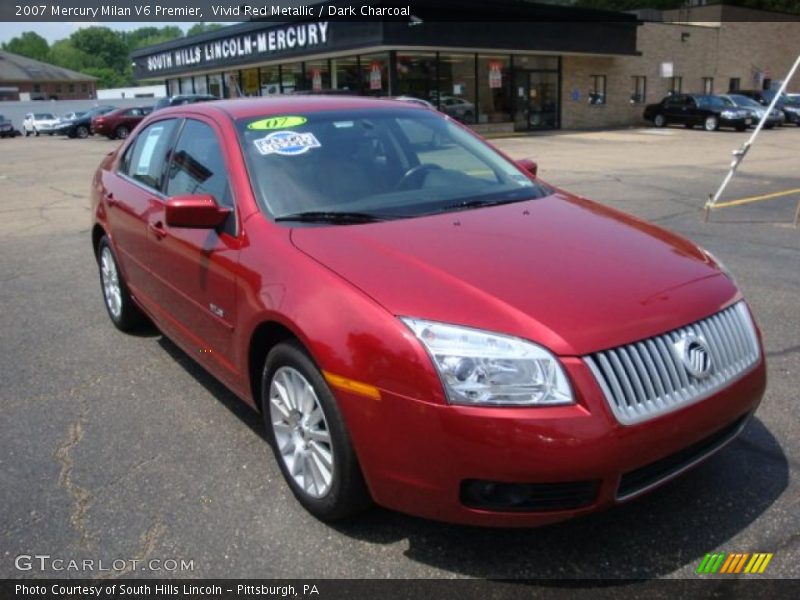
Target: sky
56, 31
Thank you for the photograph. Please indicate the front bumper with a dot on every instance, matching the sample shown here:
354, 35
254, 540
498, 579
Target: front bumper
737, 123
417, 456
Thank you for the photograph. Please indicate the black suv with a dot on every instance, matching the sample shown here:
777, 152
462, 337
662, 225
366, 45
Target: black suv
790, 107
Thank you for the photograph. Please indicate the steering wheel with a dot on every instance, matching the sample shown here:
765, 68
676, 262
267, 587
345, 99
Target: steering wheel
414, 173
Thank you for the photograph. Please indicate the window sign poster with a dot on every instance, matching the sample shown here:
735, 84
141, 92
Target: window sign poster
375, 82
143, 166
495, 75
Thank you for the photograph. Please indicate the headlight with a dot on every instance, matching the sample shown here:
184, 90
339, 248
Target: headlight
482, 368
729, 114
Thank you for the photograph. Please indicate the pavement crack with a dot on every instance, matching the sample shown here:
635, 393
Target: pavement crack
81, 497
147, 543
784, 352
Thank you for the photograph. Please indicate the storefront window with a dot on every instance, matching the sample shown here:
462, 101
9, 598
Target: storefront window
375, 74
233, 87
250, 82
536, 63
345, 75
172, 87
292, 78
416, 76
318, 75
270, 80
200, 84
457, 86
215, 85
494, 84
186, 85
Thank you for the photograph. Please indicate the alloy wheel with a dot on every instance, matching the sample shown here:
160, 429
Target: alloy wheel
111, 288
301, 431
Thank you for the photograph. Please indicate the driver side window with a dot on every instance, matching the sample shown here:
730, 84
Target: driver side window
197, 165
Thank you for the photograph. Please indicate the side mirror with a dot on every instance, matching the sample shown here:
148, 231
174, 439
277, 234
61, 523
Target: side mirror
526, 164
197, 211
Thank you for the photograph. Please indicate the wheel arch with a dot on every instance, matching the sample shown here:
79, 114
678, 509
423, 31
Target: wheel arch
264, 338
97, 234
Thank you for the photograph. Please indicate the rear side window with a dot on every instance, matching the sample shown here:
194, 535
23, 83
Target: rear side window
144, 160
197, 165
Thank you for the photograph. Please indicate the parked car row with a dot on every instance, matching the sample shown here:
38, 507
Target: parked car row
113, 122
739, 110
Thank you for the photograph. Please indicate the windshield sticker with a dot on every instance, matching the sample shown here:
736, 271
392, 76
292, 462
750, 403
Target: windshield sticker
286, 143
277, 123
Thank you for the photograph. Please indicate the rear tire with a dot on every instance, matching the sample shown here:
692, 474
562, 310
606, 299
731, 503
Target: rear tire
121, 132
308, 436
82, 132
122, 311
660, 121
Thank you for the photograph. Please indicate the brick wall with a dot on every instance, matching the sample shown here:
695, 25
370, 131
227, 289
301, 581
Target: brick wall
72, 90
734, 50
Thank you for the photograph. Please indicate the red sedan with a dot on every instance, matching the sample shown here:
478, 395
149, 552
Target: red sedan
119, 123
422, 322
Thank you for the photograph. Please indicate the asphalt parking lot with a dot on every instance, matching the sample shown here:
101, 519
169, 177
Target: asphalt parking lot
121, 447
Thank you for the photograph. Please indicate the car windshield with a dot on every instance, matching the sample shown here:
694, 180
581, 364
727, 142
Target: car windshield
381, 163
744, 101
711, 102
43, 116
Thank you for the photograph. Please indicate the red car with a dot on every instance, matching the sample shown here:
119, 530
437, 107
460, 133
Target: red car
119, 123
422, 322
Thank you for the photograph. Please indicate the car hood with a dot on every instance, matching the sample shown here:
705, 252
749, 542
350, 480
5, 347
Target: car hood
565, 272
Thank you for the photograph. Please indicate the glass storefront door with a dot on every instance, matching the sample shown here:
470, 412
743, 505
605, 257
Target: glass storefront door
537, 101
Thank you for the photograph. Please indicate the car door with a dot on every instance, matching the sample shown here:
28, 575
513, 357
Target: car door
132, 192
694, 114
673, 109
195, 269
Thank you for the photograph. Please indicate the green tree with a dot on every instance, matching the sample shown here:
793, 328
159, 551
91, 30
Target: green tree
108, 78
64, 54
147, 36
203, 28
29, 44
105, 44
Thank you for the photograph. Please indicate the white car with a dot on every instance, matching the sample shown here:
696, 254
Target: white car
36, 123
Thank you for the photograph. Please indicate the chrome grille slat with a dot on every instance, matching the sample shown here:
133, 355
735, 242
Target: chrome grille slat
648, 378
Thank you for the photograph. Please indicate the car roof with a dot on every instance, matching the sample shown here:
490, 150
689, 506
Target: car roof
242, 108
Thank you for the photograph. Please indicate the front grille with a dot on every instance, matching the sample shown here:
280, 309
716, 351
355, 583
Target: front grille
646, 379
643, 478
528, 497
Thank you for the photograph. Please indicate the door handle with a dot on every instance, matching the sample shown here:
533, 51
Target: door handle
157, 229
111, 201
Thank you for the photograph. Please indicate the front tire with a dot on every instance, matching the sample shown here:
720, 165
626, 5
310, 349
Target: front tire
308, 436
711, 124
82, 132
660, 121
121, 132
121, 309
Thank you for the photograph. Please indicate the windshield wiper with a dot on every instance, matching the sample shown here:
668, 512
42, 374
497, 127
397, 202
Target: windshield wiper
325, 216
477, 203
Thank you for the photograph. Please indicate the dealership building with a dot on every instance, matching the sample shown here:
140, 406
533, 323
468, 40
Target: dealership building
506, 66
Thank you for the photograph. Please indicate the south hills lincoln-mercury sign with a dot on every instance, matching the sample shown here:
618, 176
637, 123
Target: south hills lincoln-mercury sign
258, 44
